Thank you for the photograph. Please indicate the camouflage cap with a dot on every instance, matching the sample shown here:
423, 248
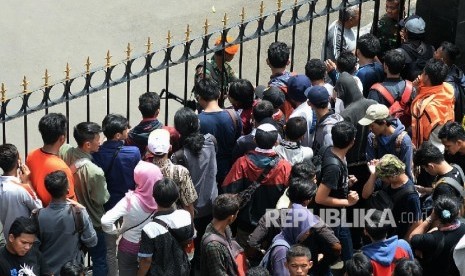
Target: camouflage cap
390, 165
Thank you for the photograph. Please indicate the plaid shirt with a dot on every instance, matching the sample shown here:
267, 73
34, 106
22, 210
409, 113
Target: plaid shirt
215, 258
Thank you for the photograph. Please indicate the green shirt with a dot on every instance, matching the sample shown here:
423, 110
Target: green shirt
387, 33
90, 185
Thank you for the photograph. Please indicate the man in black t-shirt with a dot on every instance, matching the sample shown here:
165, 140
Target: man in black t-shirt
430, 158
452, 136
20, 256
333, 190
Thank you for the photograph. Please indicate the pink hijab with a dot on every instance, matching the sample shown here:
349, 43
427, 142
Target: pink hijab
145, 175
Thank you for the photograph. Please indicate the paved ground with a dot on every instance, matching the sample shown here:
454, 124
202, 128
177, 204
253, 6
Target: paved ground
50, 33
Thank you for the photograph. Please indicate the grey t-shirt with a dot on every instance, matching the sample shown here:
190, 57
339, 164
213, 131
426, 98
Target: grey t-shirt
333, 41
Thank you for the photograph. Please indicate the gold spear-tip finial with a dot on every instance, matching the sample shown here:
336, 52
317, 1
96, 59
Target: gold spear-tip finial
225, 20
262, 9
205, 26
295, 2
67, 71
168, 39
46, 78
24, 84
108, 59
188, 32
149, 45
3, 92
242, 15
280, 3
128, 51
87, 64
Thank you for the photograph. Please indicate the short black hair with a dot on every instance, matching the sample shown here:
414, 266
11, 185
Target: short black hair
406, 267
394, 61
86, 132
165, 192
451, 50
296, 127
149, 104
346, 62
278, 54
315, 69
113, 124
72, 269
263, 109
298, 250
257, 271
436, 70
57, 184
427, 153
9, 157
343, 133
242, 91
52, 126
266, 139
225, 205
447, 209
207, 89
305, 169
301, 189
23, 225
376, 227
368, 45
359, 265
452, 131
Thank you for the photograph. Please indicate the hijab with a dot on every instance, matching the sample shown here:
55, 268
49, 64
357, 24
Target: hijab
145, 175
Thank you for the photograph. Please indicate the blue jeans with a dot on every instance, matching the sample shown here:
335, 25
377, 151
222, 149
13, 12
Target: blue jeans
98, 254
343, 234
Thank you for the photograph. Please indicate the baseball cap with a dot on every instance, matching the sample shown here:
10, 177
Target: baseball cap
296, 86
414, 24
389, 165
232, 49
159, 142
274, 95
317, 94
374, 112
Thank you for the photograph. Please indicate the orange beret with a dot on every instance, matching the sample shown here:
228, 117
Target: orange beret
232, 50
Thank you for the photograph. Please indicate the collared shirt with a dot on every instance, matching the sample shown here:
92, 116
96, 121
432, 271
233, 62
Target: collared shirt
180, 175
90, 185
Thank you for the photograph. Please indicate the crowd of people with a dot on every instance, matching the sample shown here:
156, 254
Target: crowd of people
360, 160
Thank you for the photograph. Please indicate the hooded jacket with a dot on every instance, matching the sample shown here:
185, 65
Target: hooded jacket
383, 254
432, 107
301, 220
388, 144
139, 135
244, 172
355, 109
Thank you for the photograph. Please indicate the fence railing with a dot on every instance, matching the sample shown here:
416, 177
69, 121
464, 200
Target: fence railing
82, 85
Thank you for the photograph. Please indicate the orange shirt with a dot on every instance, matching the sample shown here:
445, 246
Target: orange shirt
41, 164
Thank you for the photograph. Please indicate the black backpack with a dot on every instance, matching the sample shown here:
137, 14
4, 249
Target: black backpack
457, 80
419, 57
380, 200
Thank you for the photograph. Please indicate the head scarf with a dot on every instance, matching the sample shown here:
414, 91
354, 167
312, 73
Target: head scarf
145, 175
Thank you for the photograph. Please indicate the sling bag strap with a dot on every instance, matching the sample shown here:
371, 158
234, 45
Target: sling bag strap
246, 195
132, 227
110, 167
234, 119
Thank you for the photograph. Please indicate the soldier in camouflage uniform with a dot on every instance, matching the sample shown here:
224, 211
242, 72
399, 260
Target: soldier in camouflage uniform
214, 67
388, 27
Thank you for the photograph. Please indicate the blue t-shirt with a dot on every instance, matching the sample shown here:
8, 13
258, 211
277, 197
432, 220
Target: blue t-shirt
370, 74
220, 124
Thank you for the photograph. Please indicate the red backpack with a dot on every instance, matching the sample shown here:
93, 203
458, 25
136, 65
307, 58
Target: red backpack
379, 269
398, 109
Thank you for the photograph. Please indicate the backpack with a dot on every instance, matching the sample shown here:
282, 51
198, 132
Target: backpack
399, 108
78, 217
455, 184
235, 250
419, 57
380, 200
320, 162
266, 261
398, 145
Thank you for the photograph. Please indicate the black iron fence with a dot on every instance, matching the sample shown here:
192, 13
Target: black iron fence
82, 85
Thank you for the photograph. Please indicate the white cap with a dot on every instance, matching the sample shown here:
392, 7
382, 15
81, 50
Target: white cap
159, 142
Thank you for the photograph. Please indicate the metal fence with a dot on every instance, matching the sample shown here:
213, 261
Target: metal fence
27, 102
